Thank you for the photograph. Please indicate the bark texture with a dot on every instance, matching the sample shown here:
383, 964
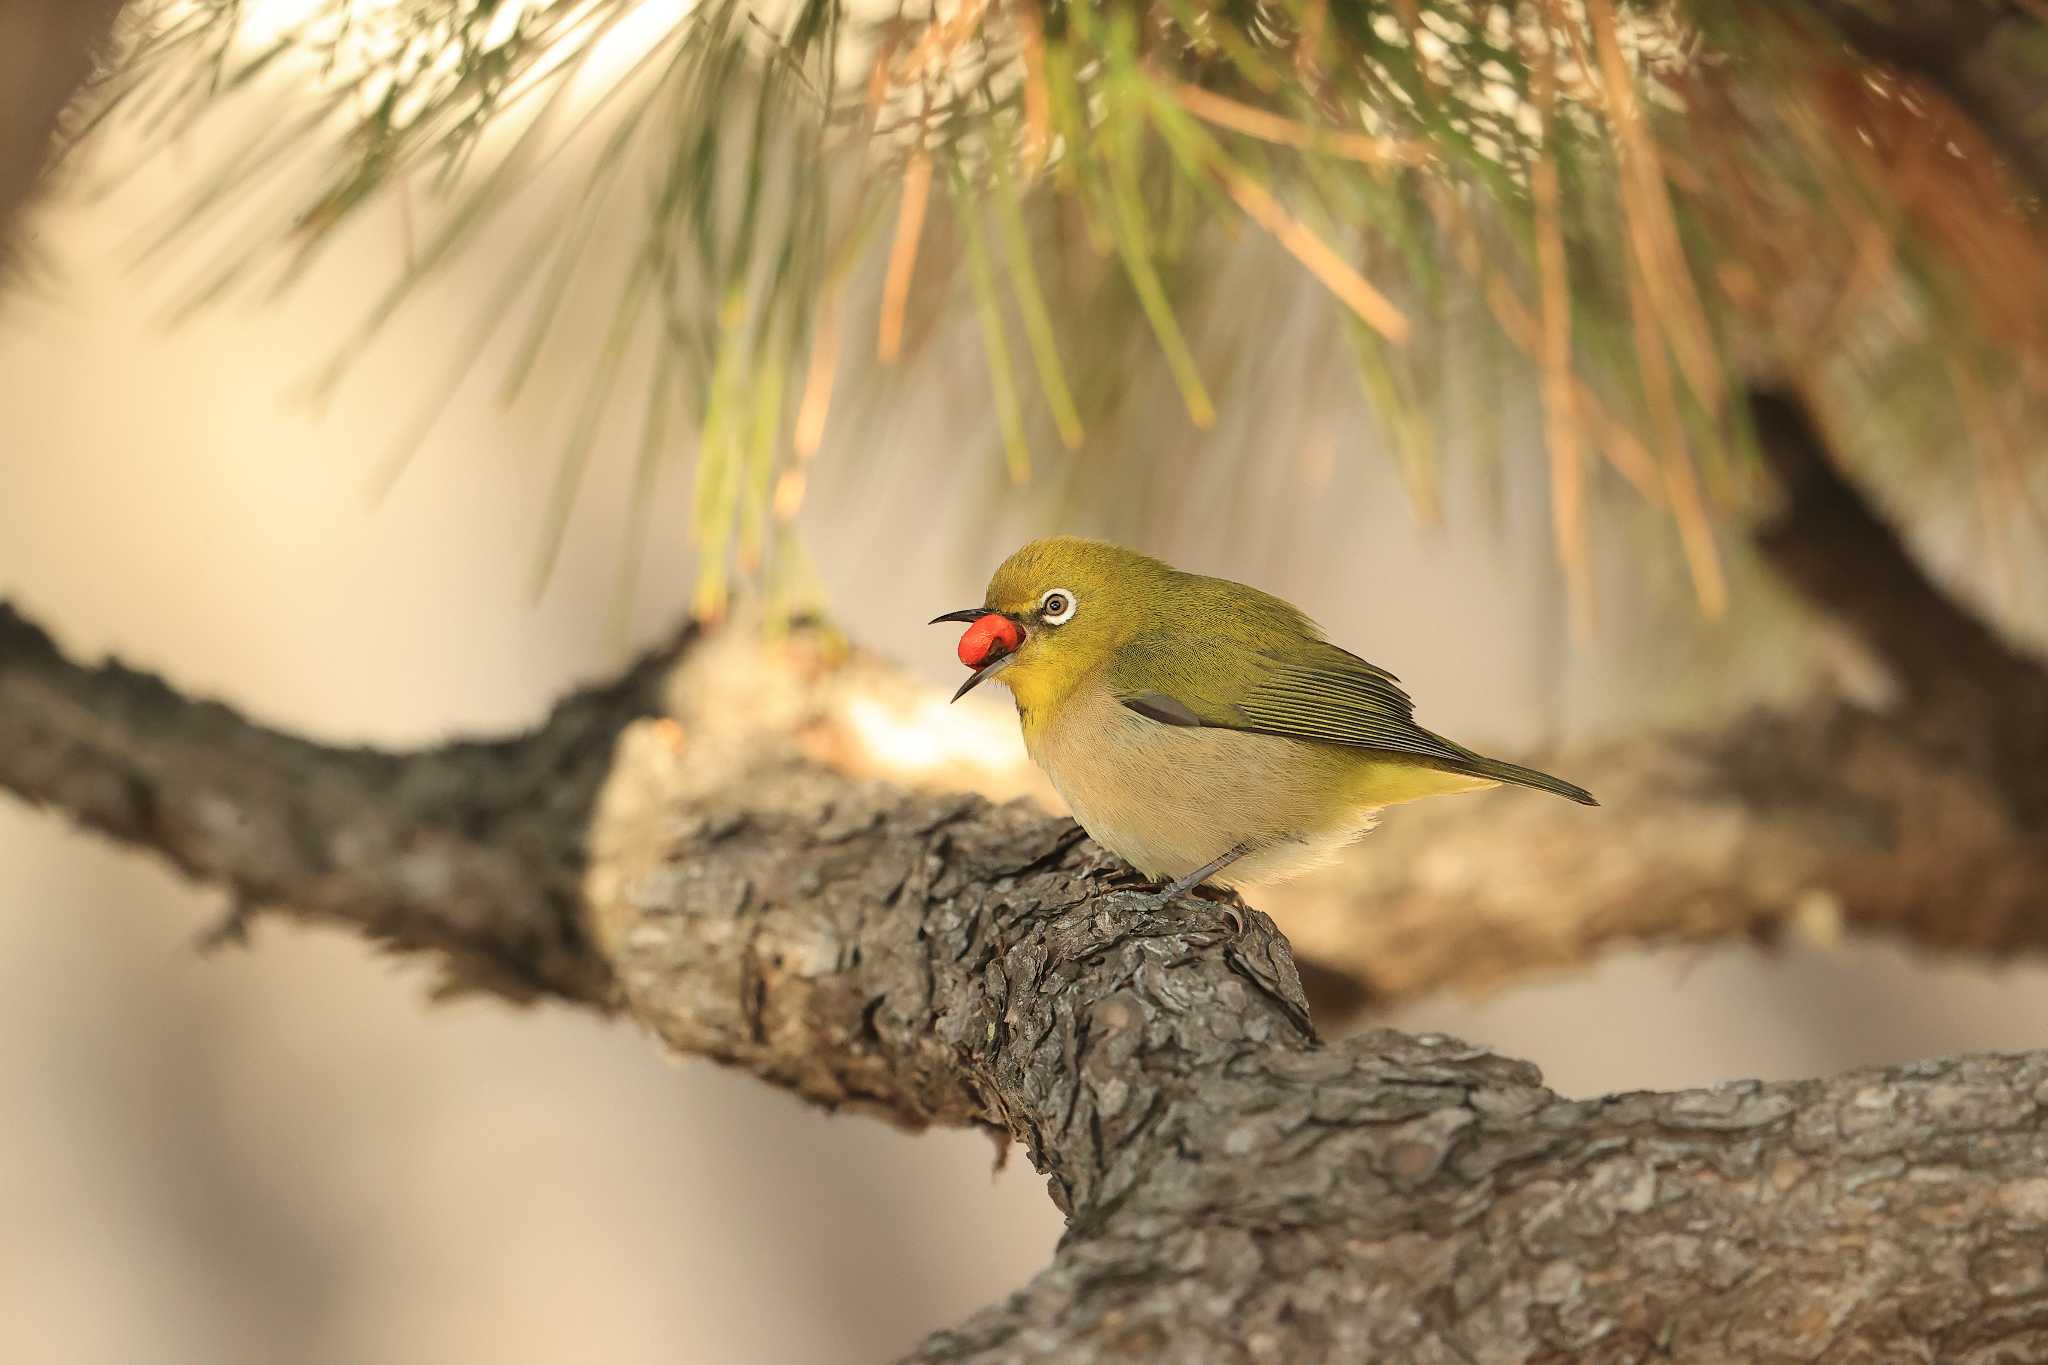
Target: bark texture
1237, 1190
471, 850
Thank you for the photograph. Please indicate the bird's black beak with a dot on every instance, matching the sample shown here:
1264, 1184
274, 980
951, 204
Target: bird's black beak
971, 615
978, 674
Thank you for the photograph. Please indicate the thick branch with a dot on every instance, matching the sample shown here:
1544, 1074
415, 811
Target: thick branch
1396, 1199
1828, 818
1983, 55
472, 850
1963, 684
1239, 1193
1924, 821
1236, 1190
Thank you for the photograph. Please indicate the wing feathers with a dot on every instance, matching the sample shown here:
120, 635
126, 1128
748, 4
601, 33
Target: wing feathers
1310, 703
1162, 708
1283, 679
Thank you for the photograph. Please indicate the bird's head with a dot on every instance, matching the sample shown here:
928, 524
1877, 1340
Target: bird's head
1054, 612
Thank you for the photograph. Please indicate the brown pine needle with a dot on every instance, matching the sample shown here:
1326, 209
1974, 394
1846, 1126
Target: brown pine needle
819, 375
1619, 445
1630, 458
1267, 126
1037, 95
1322, 260
1309, 46
788, 499
1562, 432
917, 190
878, 78
1696, 533
1681, 482
937, 43
1651, 231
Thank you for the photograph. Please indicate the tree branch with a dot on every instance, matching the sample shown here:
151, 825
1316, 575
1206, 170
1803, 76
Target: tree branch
1828, 817
1396, 1199
1236, 1190
1983, 55
1924, 820
1963, 685
471, 850
45, 55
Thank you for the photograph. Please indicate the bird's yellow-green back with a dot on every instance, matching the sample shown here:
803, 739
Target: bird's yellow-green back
1121, 597
1189, 650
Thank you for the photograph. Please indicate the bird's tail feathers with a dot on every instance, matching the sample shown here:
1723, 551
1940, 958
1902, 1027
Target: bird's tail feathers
1526, 777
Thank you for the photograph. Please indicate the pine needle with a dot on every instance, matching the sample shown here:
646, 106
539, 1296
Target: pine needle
917, 188
818, 377
1563, 434
988, 308
1681, 484
1651, 232
1038, 325
1372, 307
1266, 126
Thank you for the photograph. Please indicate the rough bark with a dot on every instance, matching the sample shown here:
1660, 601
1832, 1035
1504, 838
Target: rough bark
471, 850
1236, 1190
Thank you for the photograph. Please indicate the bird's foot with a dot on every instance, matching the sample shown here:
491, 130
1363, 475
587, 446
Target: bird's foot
1162, 898
1232, 907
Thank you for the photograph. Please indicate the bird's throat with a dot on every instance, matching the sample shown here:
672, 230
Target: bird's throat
1040, 687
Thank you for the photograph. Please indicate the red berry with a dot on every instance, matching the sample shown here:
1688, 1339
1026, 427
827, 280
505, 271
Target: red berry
989, 638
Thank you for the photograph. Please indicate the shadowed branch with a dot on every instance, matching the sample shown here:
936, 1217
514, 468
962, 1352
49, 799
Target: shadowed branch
1233, 1185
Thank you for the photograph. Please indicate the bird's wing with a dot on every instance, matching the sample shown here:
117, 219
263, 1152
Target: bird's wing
1303, 689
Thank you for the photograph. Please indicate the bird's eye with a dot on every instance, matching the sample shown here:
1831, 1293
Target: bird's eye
1056, 607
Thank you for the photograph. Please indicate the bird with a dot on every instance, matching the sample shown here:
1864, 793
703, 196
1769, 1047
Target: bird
1203, 731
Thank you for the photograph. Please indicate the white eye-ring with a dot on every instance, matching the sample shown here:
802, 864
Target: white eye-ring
1056, 608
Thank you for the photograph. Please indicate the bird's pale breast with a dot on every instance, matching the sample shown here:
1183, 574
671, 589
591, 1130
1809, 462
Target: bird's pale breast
1168, 799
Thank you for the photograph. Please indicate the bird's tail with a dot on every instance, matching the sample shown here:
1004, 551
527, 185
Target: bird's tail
1526, 777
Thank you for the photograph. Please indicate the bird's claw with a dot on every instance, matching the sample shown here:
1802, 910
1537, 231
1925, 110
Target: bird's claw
1163, 898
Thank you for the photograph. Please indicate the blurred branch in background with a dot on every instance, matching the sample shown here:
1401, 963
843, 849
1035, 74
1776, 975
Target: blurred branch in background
1923, 819
937, 959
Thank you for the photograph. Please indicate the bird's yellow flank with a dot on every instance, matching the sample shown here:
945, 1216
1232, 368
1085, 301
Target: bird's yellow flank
1200, 729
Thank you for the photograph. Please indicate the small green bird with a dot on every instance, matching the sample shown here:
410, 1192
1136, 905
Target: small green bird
1200, 729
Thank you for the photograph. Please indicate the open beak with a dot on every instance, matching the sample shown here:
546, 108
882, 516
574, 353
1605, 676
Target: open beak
992, 667
987, 670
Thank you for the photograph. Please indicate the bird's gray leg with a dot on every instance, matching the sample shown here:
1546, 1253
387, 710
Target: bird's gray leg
1168, 894
1203, 873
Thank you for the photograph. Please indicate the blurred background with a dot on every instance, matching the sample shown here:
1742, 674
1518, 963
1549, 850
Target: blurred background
286, 1152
